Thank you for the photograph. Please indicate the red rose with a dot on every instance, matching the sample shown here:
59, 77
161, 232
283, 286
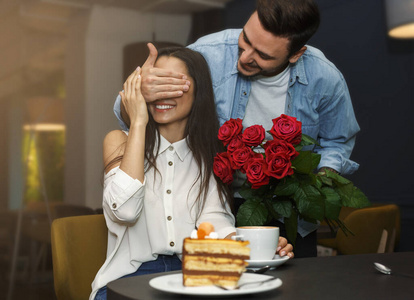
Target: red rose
256, 172
240, 157
229, 130
222, 167
280, 146
235, 143
253, 135
287, 128
279, 165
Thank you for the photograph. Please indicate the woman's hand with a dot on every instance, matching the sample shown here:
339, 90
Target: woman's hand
133, 101
284, 248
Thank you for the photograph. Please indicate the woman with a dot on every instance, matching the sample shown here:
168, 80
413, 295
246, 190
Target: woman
159, 182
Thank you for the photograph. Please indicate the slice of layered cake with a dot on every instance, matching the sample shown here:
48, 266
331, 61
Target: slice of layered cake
208, 260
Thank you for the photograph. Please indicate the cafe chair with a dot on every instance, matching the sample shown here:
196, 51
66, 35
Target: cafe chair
78, 251
375, 229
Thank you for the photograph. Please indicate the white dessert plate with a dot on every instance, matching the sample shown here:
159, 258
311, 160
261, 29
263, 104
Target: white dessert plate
174, 284
276, 261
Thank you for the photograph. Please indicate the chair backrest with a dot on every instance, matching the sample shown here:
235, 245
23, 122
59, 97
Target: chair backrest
78, 250
62, 210
374, 229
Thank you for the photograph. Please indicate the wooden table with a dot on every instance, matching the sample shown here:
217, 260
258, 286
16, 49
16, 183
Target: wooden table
338, 277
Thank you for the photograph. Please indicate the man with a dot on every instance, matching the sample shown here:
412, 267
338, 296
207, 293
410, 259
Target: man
266, 69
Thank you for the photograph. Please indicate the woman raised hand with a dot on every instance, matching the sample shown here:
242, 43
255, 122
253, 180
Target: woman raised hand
132, 149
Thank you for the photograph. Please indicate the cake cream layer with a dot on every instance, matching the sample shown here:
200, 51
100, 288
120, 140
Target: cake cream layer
226, 273
213, 263
217, 248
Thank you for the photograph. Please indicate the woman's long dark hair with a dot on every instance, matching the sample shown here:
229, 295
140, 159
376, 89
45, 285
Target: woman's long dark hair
201, 129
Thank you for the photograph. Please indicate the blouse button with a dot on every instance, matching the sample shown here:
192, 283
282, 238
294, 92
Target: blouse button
168, 191
169, 218
170, 163
244, 93
172, 244
113, 205
171, 148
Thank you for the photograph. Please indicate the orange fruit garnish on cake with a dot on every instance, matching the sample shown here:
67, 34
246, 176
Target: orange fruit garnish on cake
204, 230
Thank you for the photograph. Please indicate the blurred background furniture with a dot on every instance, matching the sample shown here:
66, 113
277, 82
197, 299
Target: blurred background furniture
31, 258
36, 227
376, 229
78, 250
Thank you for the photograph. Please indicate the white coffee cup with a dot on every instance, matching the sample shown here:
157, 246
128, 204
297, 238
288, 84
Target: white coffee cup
263, 240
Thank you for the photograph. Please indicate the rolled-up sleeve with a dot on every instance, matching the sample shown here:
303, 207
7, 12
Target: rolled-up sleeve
123, 196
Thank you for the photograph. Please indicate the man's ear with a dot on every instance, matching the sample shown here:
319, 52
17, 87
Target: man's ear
294, 58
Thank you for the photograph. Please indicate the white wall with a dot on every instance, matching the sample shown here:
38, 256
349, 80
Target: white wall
109, 30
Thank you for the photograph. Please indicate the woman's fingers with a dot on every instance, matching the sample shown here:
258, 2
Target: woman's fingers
284, 248
138, 80
131, 82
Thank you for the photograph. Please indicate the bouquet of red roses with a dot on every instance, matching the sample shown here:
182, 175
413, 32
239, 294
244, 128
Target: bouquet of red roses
280, 178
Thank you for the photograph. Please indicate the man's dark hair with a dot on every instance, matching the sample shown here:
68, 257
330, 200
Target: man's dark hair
296, 20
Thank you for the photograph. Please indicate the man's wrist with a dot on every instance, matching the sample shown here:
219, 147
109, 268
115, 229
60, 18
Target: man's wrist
323, 169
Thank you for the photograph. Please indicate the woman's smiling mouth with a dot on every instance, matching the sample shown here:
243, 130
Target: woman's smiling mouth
163, 106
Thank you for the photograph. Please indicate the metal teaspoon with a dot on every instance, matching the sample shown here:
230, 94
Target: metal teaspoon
258, 271
387, 271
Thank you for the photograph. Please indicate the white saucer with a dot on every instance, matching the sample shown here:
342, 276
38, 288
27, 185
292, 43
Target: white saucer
276, 261
174, 284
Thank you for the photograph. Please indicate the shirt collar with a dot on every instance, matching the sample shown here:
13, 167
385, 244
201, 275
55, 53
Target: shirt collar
180, 147
298, 71
234, 70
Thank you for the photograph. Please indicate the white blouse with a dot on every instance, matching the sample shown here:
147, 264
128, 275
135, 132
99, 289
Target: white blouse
154, 217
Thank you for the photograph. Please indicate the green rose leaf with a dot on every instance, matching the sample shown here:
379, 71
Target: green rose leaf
307, 140
336, 177
303, 163
306, 179
325, 180
282, 207
332, 203
253, 194
316, 159
310, 202
352, 196
287, 187
252, 213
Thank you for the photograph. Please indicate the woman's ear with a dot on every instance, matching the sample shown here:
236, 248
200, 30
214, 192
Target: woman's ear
294, 58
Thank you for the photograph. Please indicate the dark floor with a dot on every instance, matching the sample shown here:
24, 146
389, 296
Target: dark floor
38, 291
30, 282
40, 287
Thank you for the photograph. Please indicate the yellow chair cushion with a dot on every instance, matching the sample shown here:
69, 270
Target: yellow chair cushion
78, 251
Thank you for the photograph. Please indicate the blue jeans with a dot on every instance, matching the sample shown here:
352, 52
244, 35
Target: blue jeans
164, 263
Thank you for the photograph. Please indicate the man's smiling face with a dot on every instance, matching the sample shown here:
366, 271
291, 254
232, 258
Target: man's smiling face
261, 52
